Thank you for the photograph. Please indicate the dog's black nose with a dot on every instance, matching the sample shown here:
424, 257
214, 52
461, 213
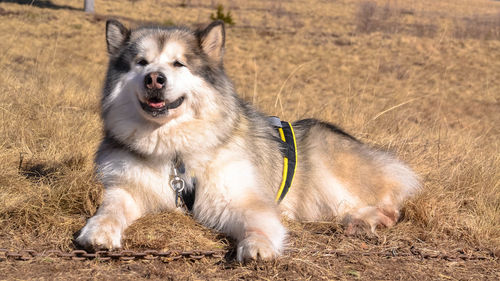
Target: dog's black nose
155, 80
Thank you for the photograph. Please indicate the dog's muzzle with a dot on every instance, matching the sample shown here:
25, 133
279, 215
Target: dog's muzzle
155, 102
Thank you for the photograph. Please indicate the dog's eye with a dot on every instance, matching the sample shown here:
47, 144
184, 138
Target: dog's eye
142, 62
178, 64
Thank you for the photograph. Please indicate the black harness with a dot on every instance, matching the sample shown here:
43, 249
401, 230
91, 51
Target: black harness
187, 194
289, 152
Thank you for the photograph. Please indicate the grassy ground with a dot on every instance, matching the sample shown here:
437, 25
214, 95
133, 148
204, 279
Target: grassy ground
417, 77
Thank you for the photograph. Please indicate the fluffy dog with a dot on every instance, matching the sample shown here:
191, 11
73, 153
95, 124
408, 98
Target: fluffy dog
168, 106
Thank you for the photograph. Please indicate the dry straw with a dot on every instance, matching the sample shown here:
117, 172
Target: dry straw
430, 95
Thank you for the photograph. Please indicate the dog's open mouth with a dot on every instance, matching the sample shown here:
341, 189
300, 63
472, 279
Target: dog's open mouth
157, 106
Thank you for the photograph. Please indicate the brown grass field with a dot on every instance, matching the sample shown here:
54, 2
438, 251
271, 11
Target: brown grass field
420, 78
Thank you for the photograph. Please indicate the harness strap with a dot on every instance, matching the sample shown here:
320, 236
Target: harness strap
289, 151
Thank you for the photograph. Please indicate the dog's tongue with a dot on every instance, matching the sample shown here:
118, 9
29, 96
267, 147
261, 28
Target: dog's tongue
155, 104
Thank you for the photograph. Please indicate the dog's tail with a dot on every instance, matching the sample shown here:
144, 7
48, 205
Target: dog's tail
401, 174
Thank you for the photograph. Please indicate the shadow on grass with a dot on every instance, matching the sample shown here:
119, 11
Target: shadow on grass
48, 172
39, 172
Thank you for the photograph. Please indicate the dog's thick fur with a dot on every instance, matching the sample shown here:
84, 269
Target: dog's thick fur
192, 113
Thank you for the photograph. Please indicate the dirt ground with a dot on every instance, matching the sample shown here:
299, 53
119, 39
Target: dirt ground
344, 268
322, 255
317, 251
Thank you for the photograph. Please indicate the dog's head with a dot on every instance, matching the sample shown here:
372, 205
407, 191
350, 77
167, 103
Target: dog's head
164, 74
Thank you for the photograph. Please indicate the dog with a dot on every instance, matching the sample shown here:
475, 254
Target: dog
174, 129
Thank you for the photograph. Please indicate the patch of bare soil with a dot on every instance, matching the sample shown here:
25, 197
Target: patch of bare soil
316, 252
317, 266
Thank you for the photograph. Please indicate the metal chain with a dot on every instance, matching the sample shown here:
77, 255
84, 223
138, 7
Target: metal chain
127, 255
124, 255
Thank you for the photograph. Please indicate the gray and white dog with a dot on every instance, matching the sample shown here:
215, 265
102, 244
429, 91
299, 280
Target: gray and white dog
167, 100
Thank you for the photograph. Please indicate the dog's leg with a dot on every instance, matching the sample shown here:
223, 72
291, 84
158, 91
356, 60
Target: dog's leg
229, 199
104, 230
262, 235
253, 223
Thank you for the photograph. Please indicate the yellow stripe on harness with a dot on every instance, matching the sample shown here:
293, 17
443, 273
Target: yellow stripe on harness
289, 160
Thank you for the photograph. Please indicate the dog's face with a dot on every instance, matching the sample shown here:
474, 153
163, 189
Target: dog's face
163, 73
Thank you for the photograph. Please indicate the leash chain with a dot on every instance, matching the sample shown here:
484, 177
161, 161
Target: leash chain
127, 255
124, 255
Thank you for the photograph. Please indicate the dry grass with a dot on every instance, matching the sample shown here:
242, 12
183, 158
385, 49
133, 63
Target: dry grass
411, 76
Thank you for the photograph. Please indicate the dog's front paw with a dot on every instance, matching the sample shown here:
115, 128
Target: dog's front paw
100, 233
256, 246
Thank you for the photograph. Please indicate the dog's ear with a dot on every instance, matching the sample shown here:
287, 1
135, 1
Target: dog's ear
212, 40
116, 36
